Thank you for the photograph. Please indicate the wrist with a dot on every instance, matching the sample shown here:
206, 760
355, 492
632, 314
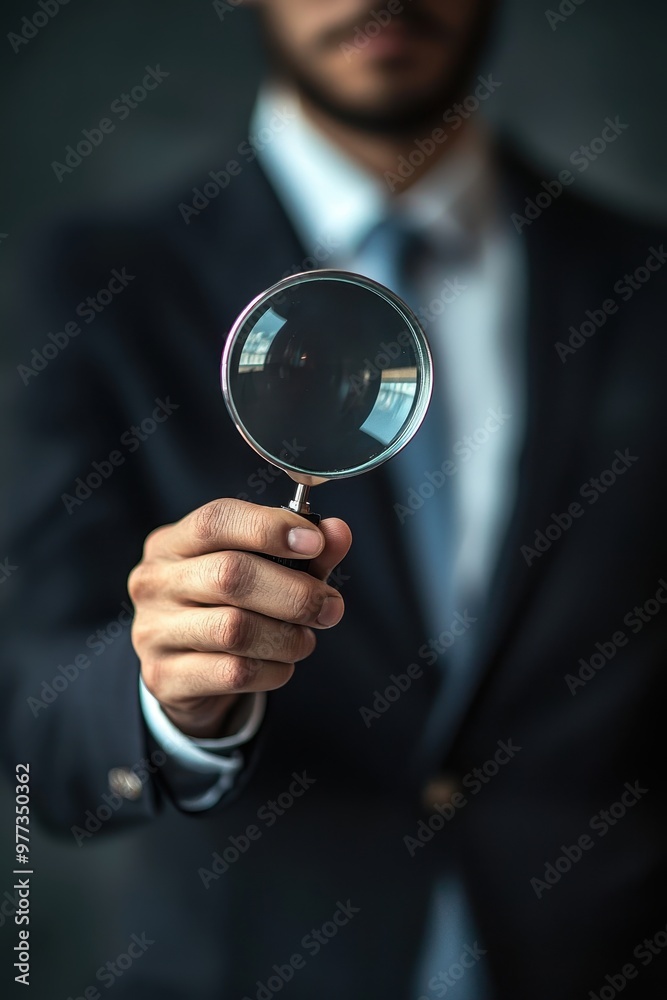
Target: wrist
215, 719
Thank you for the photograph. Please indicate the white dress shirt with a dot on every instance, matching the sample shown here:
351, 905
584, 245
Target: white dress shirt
473, 319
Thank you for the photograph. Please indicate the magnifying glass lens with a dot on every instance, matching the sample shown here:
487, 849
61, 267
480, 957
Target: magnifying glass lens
326, 374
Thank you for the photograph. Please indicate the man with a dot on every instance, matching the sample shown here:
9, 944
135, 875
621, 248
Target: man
460, 788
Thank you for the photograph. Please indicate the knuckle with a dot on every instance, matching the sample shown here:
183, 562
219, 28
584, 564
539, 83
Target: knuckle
233, 575
209, 519
296, 642
302, 601
258, 527
238, 672
138, 582
141, 633
151, 541
152, 673
274, 641
232, 518
232, 630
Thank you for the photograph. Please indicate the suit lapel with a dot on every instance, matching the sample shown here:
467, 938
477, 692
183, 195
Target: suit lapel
241, 246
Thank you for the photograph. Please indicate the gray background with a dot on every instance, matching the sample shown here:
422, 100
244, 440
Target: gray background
607, 59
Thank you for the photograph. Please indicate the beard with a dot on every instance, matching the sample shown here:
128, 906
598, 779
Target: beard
401, 114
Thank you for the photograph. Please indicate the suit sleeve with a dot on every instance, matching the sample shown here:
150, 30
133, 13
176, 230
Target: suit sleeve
77, 507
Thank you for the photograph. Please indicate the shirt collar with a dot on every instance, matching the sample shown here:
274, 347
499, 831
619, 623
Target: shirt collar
328, 195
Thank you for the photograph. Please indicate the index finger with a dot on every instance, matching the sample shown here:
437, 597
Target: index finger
237, 524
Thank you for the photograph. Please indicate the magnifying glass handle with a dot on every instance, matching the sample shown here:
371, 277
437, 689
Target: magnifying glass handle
300, 505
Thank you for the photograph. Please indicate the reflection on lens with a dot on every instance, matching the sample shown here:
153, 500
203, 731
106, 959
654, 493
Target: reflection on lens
393, 405
332, 363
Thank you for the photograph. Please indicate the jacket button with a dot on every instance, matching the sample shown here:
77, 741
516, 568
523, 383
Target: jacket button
125, 783
438, 792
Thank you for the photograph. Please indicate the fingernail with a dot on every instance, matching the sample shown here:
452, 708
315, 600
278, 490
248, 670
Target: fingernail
306, 541
331, 612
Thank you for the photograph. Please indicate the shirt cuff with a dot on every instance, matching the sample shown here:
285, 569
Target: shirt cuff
200, 771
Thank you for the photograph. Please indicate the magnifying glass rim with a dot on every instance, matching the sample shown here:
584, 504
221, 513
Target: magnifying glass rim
423, 395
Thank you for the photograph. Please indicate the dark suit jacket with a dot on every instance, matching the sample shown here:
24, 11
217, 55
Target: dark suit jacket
160, 338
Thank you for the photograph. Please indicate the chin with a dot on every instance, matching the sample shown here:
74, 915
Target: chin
381, 104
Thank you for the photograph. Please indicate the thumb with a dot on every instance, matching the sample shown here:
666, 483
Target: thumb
338, 539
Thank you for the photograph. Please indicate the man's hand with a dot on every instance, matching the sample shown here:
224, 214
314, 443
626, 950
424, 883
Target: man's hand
214, 620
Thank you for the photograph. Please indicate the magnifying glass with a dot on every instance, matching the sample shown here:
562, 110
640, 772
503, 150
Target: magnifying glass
327, 374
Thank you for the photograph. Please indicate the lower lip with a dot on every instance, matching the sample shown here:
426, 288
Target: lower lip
388, 43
